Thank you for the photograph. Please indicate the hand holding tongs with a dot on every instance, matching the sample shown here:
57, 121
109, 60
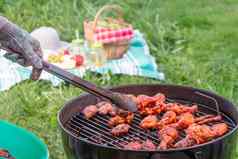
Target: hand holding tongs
25, 50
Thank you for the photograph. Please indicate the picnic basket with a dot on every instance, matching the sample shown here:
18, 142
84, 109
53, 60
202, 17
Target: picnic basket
115, 38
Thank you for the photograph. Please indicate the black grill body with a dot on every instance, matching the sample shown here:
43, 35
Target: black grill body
95, 142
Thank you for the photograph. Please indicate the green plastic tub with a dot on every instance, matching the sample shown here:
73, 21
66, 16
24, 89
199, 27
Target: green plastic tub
21, 143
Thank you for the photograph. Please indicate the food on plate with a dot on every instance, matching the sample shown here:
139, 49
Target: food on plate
90, 111
149, 122
64, 58
120, 129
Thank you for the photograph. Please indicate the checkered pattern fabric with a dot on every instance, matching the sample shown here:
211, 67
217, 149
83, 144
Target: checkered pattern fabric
105, 35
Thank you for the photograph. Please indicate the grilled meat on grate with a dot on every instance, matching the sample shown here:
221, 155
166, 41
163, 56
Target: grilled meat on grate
169, 118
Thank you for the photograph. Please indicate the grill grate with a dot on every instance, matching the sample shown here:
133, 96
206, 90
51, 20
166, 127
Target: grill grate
96, 130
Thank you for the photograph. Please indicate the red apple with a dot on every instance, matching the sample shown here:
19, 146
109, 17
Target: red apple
66, 52
79, 60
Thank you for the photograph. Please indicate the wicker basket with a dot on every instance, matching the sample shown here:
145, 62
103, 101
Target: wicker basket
113, 50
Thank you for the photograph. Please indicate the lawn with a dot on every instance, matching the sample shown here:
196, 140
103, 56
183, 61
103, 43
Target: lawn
194, 42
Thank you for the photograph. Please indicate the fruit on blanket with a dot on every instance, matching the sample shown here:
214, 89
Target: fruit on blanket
68, 63
58, 58
65, 59
66, 52
79, 60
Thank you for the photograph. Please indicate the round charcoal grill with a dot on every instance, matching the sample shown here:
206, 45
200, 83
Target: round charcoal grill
91, 139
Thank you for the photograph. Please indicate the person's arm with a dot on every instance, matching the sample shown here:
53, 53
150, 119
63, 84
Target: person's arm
21, 47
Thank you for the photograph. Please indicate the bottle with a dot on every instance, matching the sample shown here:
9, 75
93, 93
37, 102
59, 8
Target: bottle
97, 55
77, 46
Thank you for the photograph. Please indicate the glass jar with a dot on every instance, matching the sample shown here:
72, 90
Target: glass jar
76, 47
96, 55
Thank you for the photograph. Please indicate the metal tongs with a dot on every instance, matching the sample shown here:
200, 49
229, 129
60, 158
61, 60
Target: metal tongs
120, 100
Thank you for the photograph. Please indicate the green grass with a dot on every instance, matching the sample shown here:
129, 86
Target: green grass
194, 42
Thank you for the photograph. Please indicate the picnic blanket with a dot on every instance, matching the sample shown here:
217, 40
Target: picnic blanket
137, 61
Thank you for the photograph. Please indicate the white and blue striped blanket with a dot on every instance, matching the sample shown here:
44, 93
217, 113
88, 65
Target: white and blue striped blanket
137, 61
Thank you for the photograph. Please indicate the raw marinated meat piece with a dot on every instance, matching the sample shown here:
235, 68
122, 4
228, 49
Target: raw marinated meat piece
90, 111
149, 122
120, 129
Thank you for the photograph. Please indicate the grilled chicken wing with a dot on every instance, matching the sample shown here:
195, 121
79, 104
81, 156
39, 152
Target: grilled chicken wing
197, 134
219, 129
211, 119
148, 145
187, 119
120, 129
90, 111
201, 133
157, 109
133, 145
184, 121
168, 118
149, 122
160, 98
141, 145
116, 120
180, 109
185, 142
147, 101
120, 118
167, 135
104, 108
198, 119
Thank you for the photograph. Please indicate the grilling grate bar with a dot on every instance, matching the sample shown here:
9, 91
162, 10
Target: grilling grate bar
135, 128
96, 130
90, 134
97, 125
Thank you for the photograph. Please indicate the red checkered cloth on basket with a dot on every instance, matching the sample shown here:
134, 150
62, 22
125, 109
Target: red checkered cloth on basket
105, 35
